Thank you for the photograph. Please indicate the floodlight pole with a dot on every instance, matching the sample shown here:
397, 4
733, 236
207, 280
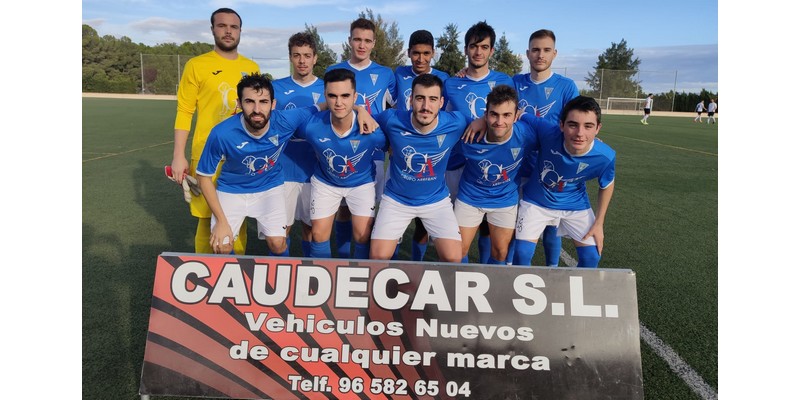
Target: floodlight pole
141, 68
674, 90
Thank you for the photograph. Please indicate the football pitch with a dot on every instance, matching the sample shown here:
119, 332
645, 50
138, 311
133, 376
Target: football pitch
662, 224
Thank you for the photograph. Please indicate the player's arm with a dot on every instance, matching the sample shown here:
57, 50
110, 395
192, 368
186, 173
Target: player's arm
366, 123
188, 93
179, 162
221, 229
603, 201
475, 130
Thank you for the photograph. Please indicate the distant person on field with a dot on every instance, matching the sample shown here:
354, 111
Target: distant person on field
648, 105
208, 89
300, 89
543, 93
712, 108
699, 110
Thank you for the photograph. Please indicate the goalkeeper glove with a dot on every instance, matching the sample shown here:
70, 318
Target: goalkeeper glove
189, 184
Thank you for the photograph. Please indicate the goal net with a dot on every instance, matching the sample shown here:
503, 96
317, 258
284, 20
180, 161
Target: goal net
624, 104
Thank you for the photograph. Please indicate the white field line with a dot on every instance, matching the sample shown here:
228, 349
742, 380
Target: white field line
675, 362
126, 152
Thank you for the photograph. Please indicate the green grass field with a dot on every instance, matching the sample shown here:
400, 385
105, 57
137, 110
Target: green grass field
662, 224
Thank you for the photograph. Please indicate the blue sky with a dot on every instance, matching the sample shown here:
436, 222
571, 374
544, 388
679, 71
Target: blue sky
675, 41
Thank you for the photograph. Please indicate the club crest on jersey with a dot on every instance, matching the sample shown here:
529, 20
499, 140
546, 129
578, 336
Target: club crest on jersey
374, 78
315, 96
440, 139
515, 152
581, 167
547, 91
354, 144
491, 84
342, 166
274, 140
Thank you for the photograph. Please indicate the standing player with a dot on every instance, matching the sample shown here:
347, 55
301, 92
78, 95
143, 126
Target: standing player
376, 87
421, 142
569, 156
344, 169
208, 86
420, 52
489, 185
250, 181
467, 95
648, 105
712, 108
699, 108
301, 89
543, 93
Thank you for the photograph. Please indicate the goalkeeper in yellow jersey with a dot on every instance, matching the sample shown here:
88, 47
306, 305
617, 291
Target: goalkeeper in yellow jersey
208, 87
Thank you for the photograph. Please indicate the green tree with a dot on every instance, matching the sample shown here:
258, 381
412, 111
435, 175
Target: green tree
451, 57
615, 73
325, 56
389, 46
504, 60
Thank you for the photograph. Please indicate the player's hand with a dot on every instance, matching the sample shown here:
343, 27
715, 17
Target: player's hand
188, 183
179, 166
221, 239
462, 73
596, 231
475, 130
366, 124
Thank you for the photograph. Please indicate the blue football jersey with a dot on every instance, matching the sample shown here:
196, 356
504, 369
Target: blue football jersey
418, 161
251, 163
404, 75
343, 160
559, 181
491, 172
297, 165
468, 96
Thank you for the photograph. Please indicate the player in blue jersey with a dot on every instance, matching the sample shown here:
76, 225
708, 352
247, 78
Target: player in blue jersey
421, 141
301, 89
489, 185
376, 88
569, 156
544, 93
250, 183
344, 169
421, 50
467, 95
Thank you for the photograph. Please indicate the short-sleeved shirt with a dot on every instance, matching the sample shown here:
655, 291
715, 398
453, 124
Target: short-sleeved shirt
297, 165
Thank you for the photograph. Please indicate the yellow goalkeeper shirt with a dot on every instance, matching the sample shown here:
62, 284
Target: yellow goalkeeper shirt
208, 85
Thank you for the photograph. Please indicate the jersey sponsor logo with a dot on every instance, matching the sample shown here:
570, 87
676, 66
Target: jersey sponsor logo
552, 180
481, 151
523, 88
290, 91
374, 78
216, 72
368, 100
242, 145
462, 86
421, 164
258, 165
581, 166
290, 106
407, 96
477, 105
405, 133
533, 109
323, 140
547, 92
405, 78
496, 173
556, 153
342, 166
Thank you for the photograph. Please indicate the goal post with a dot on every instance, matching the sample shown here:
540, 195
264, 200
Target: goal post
624, 104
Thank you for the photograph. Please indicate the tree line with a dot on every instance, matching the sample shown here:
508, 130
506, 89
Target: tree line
114, 65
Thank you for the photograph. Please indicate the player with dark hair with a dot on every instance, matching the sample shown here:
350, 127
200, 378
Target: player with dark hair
648, 105
569, 156
543, 93
344, 169
421, 141
467, 95
489, 185
376, 88
300, 89
207, 89
421, 50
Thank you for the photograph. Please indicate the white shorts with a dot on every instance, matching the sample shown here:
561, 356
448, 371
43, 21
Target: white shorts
393, 219
470, 216
380, 179
532, 219
452, 178
268, 208
326, 199
298, 202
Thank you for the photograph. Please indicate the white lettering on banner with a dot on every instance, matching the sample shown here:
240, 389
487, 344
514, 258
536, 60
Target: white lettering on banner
432, 328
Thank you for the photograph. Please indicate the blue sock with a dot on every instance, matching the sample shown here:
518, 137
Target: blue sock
344, 234
512, 247
396, 255
484, 248
492, 261
524, 252
285, 253
552, 245
418, 250
588, 257
321, 249
288, 246
306, 245
465, 260
362, 251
